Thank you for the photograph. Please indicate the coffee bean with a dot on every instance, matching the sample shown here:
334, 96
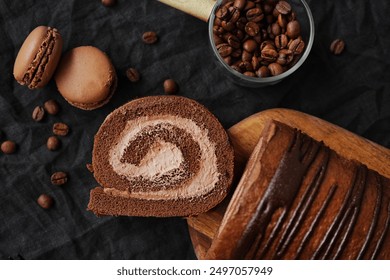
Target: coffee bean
217, 40
233, 41
282, 21
149, 37
240, 24
255, 15
276, 29
250, 45
283, 7
285, 57
222, 13
8, 147
59, 178
227, 25
60, 129
275, 69
235, 14
170, 86
255, 63
246, 56
252, 28
236, 68
45, 201
51, 107
228, 60
281, 41
263, 72
38, 114
249, 5
245, 66
53, 143
218, 30
89, 167
296, 46
236, 53
249, 74
293, 29
224, 49
267, 8
337, 46
133, 75
267, 45
239, 4
108, 3
269, 55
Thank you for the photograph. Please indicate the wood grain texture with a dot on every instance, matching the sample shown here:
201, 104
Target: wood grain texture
200, 9
244, 137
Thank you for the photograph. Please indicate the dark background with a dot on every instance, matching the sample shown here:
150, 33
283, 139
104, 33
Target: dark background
351, 90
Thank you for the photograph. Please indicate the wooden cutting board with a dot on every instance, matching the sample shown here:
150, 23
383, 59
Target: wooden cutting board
244, 136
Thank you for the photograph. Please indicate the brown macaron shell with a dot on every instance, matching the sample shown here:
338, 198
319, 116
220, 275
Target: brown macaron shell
86, 78
38, 57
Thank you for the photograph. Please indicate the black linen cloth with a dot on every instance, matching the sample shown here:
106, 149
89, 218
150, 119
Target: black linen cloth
351, 90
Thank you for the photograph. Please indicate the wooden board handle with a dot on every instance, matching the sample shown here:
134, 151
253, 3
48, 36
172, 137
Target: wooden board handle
197, 8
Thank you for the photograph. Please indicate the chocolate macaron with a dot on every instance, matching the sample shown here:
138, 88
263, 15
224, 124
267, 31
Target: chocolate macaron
38, 57
86, 77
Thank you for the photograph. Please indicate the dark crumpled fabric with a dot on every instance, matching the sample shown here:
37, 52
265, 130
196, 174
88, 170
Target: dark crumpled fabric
351, 90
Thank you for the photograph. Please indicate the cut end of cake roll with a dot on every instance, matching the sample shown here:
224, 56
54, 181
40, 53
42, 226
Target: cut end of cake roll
298, 199
160, 156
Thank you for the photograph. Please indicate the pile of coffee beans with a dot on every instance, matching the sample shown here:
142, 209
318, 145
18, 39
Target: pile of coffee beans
258, 38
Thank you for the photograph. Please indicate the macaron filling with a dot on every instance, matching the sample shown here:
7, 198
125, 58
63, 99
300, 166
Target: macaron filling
34, 73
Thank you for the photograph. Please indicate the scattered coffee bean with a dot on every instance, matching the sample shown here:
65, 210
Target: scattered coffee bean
133, 75
337, 46
60, 129
51, 106
59, 178
89, 167
251, 36
45, 201
38, 113
108, 3
149, 37
170, 86
8, 147
53, 143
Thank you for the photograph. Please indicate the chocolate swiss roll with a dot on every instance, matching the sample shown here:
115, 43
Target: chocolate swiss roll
298, 199
160, 156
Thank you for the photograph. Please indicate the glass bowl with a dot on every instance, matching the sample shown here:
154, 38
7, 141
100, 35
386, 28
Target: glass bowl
305, 18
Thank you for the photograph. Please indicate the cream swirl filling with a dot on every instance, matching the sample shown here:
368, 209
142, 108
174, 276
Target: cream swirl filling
163, 157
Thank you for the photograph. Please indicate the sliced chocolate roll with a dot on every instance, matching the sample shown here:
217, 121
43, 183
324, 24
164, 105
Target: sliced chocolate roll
298, 199
160, 156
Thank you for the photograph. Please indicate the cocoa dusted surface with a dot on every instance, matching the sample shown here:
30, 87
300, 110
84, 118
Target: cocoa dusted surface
350, 90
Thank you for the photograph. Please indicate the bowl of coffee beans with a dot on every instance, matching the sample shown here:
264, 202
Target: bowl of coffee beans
261, 42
